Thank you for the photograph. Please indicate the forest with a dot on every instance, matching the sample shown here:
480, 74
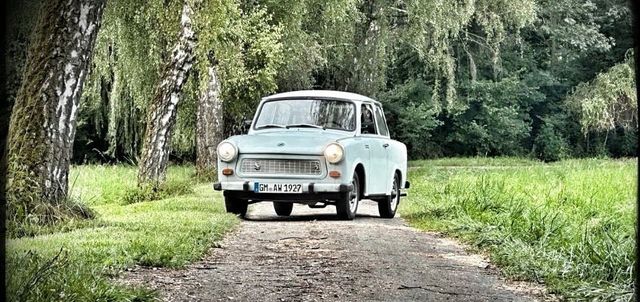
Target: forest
545, 79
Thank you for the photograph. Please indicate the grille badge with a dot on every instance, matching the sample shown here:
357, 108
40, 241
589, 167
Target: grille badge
256, 166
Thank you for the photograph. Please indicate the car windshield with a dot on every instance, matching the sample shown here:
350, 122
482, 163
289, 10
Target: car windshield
308, 113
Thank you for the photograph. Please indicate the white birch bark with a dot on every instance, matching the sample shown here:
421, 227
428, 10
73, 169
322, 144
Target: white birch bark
162, 112
209, 125
43, 122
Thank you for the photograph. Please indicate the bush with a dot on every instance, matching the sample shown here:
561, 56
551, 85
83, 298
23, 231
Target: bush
550, 145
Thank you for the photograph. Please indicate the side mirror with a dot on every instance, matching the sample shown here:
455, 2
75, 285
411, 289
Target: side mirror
247, 123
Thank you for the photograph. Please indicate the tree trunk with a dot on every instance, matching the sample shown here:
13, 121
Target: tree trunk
162, 111
42, 127
209, 126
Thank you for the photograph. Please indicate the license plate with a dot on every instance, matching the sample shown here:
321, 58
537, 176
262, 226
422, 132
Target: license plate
276, 188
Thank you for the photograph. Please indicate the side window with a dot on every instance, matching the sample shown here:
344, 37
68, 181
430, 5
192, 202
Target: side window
382, 123
367, 126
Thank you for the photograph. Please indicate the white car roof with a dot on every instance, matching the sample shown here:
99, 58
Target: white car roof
321, 94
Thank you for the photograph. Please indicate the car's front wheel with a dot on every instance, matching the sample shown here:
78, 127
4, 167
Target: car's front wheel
236, 206
283, 208
347, 206
387, 207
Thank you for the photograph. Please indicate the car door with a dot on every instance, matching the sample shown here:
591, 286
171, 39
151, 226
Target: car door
384, 143
377, 158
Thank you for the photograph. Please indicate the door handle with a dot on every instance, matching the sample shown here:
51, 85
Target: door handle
385, 145
366, 146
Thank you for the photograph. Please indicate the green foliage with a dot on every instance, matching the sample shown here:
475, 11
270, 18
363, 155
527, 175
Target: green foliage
433, 41
609, 100
412, 117
132, 43
251, 73
494, 121
168, 232
550, 145
495, 72
568, 224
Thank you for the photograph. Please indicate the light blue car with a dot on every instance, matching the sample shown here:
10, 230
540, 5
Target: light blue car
314, 147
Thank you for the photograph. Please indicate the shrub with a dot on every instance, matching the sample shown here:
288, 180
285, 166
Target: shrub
550, 145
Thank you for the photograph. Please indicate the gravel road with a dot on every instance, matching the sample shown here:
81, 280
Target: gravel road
311, 256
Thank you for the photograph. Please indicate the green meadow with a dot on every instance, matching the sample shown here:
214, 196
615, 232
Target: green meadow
76, 261
569, 224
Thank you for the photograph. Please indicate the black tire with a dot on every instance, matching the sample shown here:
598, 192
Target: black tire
387, 207
236, 206
347, 206
283, 208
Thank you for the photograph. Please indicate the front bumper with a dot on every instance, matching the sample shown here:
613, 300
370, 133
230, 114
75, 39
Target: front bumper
311, 192
307, 188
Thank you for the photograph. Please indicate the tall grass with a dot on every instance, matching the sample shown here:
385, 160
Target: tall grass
108, 184
569, 224
76, 264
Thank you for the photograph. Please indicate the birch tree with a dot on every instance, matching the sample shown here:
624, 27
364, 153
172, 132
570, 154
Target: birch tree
42, 127
209, 123
162, 112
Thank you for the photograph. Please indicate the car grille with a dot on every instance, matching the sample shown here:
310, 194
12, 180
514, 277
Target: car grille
281, 167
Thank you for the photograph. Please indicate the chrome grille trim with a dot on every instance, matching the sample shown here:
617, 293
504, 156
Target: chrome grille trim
301, 167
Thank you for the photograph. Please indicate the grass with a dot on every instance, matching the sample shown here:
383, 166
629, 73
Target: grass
568, 224
77, 263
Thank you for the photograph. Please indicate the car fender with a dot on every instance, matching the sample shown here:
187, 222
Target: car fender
354, 156
398, 161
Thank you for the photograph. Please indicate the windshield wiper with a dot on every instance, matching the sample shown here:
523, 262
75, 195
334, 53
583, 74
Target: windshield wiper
270, 126
305, 125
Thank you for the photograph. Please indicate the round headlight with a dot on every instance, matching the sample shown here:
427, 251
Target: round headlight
334, 153
227, 151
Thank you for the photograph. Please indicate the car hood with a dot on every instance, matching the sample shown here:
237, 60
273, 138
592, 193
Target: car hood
298, 141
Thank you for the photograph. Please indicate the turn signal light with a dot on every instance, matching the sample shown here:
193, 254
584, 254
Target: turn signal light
227, 171
334, 174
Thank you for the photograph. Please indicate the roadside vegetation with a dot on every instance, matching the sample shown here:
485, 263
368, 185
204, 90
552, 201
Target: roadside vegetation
75, 261
569, 224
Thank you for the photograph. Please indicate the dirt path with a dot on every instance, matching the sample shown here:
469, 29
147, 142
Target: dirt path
310, 256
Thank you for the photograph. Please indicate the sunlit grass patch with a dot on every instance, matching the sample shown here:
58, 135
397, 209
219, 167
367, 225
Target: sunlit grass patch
100, 184
474, 162
569, 224
172, 231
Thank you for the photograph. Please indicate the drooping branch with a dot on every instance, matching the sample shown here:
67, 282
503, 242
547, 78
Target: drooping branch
608, 101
